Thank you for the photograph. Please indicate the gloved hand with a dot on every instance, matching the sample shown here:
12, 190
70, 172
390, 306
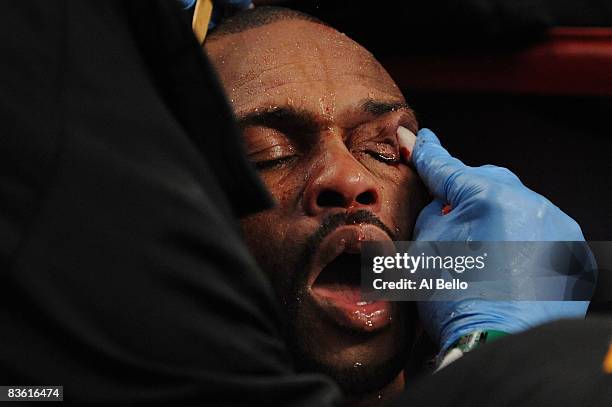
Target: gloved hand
488, 204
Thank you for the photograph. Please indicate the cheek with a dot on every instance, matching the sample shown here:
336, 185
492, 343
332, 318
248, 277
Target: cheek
263, 234
404, 196
274, 237
285, 188
272, 234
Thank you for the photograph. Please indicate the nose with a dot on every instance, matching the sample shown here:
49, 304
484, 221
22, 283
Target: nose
340, 182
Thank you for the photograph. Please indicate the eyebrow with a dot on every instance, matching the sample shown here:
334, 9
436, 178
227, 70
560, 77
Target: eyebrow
379, 108
286, 119
290, 120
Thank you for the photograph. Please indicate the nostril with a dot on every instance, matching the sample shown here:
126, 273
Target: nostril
329, 198
366, 198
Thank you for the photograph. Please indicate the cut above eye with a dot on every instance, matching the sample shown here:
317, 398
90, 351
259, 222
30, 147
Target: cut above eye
274, 163
387, 158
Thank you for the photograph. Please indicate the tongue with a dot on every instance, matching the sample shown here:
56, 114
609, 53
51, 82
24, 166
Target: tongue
337, 290
339, 293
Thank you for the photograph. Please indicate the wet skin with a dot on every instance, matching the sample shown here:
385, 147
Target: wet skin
319, 117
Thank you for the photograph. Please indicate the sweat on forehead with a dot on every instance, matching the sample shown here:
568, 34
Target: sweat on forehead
300, 60
301, 64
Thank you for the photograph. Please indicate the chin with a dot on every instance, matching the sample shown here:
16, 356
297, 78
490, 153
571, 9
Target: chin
358, 378
360, 363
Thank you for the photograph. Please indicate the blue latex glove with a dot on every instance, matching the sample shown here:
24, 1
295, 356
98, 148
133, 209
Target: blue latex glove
488, 204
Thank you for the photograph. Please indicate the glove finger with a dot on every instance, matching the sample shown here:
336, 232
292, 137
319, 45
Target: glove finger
437, 168
425, 228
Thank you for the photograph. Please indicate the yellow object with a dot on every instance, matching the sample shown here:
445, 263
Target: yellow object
201, 18
607, 363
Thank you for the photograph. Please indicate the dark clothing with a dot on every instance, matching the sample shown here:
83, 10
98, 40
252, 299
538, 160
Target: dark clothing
124, 277
558, 364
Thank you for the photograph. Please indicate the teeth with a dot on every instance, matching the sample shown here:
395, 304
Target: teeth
361, 303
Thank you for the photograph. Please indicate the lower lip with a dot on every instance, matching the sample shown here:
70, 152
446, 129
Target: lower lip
345, 307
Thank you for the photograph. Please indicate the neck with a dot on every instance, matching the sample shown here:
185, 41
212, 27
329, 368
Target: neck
380, 397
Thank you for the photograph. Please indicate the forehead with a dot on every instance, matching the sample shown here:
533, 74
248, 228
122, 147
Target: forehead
298, 63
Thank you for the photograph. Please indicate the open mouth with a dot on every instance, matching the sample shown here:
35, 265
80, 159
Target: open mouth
336, 280
340, 280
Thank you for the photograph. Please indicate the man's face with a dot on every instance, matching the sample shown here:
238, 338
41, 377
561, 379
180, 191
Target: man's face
320, 117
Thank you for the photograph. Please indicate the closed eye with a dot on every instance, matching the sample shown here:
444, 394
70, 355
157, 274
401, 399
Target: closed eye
391, 159
274, 163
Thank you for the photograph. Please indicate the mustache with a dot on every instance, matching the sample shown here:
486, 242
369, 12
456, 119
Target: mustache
333, 222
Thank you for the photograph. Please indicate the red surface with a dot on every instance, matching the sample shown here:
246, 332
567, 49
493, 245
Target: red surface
576, 61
